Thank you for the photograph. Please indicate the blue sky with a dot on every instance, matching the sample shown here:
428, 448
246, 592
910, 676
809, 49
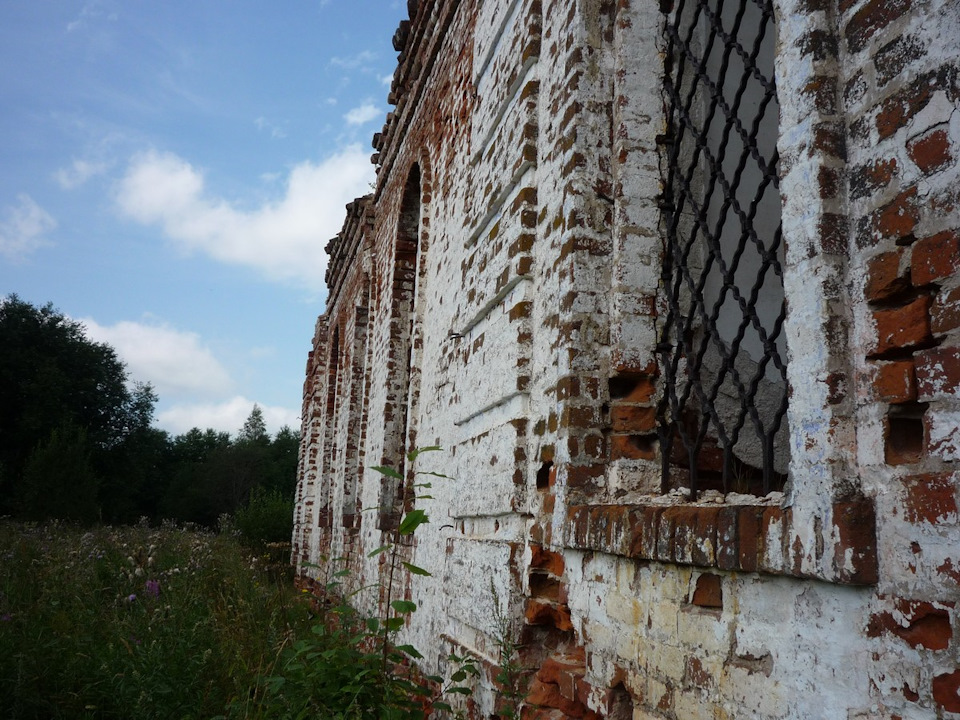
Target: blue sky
171, 172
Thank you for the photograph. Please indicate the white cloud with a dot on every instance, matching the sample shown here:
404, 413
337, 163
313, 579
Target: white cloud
362, 114
275, 130
227, 416
283, 239
387, 80
23, 228
78, 173
91, 10
352, 62
173, 361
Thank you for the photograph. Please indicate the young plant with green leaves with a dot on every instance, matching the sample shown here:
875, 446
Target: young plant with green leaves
353, 666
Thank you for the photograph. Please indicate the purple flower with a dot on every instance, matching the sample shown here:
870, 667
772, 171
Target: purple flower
131, 597
6, 617
152, 587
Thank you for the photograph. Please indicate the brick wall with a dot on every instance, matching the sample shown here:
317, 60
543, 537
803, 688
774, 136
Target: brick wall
515, 323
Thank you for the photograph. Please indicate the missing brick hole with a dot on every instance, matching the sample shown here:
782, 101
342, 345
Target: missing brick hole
620, 704
905, 435
630, 387
543, 476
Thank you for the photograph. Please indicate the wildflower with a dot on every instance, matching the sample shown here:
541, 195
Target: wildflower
6, 617
152, 587
131, 597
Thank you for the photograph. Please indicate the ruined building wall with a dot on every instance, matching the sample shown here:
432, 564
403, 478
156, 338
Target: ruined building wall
501, 294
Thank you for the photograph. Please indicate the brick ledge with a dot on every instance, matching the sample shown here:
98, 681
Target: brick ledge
747, 538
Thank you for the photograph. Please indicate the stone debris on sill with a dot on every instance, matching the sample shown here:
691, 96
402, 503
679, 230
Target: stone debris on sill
679, 496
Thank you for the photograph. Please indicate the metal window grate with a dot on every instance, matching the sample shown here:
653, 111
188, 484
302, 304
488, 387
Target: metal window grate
723, 409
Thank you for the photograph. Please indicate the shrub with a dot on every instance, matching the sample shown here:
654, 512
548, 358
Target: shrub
266, 518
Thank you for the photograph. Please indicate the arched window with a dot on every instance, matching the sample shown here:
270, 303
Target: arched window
406, 263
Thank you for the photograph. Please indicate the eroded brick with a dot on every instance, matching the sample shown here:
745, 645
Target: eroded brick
936, 257
902, 327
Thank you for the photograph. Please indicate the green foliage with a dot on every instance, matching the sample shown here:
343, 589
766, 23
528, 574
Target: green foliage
62, 393
51, 377
509, 677
58, 479
266, 518
352, 666
254, 429
134, 623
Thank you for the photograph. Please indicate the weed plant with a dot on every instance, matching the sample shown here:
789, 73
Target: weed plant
135, 622
352, 666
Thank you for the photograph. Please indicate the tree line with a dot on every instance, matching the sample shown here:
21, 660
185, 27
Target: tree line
77, 441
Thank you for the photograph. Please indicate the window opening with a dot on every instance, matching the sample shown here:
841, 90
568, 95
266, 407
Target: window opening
356, 424
330, 428
406, 262
723, 409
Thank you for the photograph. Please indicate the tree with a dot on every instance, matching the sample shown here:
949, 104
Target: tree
254, 429
59, 480
53, 377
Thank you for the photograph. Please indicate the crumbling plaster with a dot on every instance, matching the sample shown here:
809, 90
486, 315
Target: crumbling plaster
522, 339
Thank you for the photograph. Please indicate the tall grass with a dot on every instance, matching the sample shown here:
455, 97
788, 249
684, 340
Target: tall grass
136, 622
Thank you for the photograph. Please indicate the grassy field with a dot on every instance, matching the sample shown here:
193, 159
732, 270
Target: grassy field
137, 622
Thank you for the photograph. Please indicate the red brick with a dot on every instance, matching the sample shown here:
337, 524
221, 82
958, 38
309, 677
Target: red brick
579, 416
897, 219
646, 528
938, 373
823, 91
704, 548
543, 559
870, 18
931, 151
584, 477
546, 613
633, 447
749, 537
708, 592
608, 525
895, 382
945, 311
930, 498
897, 110
830, 137
727, 554
543, 694
946, 691
885, 279
856, 525
562, 671
684, 522
949, 571
873, 176
665, 545
935, 258
834, 231
633, 418
927, 626
902, 327
891, 60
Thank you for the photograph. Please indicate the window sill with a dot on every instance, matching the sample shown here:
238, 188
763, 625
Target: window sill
744, 538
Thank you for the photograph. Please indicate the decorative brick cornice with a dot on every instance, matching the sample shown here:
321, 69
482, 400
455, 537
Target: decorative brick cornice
745, 538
